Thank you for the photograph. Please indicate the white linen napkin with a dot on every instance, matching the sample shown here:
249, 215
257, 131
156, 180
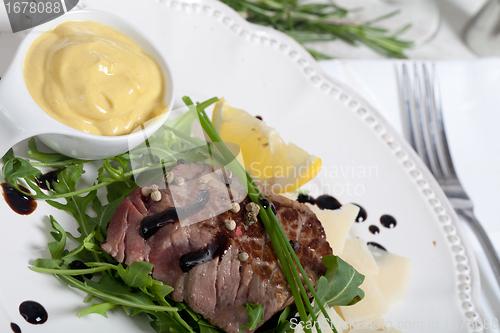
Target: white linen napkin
470, 92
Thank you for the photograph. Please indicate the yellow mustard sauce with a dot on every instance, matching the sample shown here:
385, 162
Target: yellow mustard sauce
94, 79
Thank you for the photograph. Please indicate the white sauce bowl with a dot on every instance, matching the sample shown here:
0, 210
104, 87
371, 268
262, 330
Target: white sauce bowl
22, 118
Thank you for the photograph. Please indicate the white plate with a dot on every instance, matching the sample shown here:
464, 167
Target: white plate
213, 52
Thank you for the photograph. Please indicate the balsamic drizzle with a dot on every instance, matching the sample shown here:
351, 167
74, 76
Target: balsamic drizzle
77, 264
388, 221
264, 203
17, 201
303, 198
151, 224
376, 245
326, 201
374, 229
362, 215
217, 247
15, 328
33, 312
48, 177
273, 208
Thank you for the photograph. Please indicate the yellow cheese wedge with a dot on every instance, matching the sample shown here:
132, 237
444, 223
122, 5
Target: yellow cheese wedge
371, 307
394, 274
356, 254
336, 223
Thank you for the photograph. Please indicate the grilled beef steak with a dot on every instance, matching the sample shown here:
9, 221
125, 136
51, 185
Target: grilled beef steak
202, 260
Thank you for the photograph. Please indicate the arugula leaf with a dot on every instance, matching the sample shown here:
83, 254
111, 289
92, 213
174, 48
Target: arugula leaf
49, 159
284, 320
255, 312
340, 285
76, 205
159, 289
116, 169
115, 290
48, 263
9, 155
118, 191
137, 274
87, 244
15, 168
99, 308
57, 248
164, 323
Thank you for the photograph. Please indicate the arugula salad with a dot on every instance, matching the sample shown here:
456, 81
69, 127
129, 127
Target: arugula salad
110, 284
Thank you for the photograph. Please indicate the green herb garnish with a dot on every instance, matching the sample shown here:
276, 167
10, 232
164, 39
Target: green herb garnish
308, 22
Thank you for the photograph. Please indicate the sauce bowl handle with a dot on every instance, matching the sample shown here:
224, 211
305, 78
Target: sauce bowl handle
15, 123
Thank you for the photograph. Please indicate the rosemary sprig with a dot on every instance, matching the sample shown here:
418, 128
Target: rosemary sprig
321, 22
289, 261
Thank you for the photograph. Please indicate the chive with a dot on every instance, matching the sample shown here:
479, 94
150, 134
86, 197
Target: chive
286, 256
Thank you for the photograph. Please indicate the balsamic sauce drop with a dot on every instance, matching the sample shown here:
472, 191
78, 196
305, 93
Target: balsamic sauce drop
377, 245
303, 198
273, 208
388, 221
374, 229
151, 224
33, 312
17, 201
264, 203
258, 117
77, 264
326, 201
48, 177
362, 215
15, 328
217, 247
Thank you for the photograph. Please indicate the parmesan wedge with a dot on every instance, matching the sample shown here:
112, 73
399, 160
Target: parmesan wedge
336, 223
371, 307
356, 254
394, 274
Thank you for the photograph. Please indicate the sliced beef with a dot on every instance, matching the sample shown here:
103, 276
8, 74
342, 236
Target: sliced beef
217, 288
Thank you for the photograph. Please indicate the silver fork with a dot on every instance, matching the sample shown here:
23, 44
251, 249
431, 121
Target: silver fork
425, 130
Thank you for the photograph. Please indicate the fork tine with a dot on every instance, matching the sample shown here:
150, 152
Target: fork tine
417, 117
429, 127
407, 105
441, 142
